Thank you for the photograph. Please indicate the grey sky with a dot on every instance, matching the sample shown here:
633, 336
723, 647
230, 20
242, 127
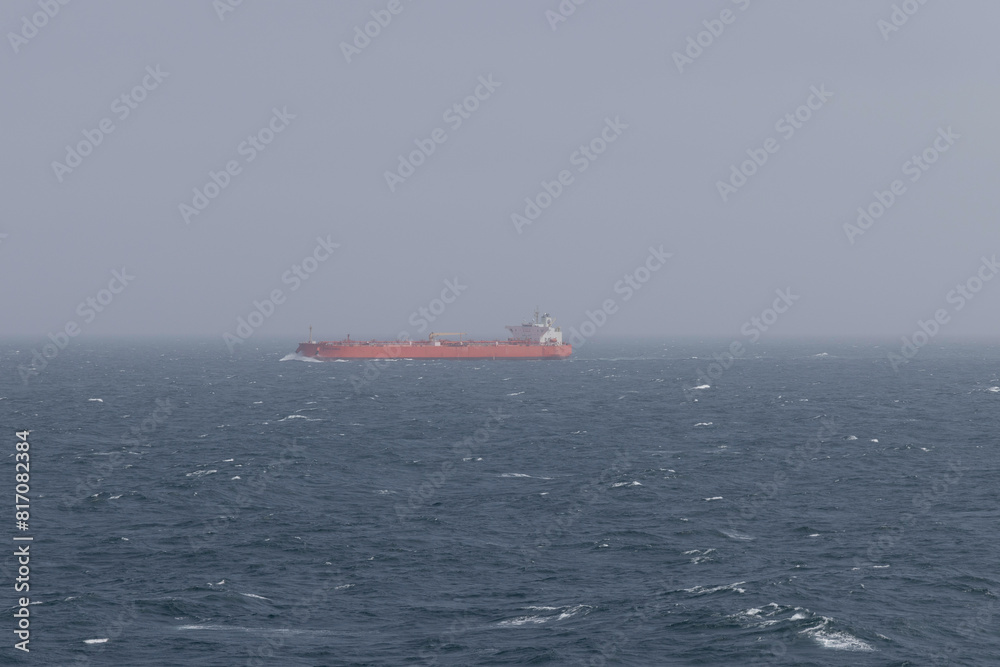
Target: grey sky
655, 184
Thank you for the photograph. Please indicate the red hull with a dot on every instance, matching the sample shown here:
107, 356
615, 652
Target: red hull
480, 349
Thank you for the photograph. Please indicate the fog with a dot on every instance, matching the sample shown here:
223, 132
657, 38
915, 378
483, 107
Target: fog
828, 168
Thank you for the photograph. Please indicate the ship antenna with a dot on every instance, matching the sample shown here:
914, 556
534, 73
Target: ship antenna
310, 333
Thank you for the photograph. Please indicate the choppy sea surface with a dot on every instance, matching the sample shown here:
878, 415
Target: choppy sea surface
810, 505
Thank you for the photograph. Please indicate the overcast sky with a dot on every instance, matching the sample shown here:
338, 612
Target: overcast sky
310, 115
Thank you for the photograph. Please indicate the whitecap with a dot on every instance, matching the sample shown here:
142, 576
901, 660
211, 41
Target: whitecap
714, 498
516, 393
95, 641
568, 612
199, 473
700, 555
839, 641
237, 628
751, 618
995, 390
852, 437
736, 535
257, 597
703, 424
702, 386
701, 590
518, 474
618, 484
96, 400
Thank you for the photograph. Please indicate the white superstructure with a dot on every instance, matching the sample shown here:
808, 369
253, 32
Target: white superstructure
540, 331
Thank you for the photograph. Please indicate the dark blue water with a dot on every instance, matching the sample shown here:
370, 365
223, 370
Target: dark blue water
810, 507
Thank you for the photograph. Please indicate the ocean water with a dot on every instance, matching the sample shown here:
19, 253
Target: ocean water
809, 506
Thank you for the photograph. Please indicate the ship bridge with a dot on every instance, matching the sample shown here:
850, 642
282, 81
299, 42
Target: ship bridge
539, 332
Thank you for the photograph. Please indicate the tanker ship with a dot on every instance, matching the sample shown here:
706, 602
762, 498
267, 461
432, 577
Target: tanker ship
530, 340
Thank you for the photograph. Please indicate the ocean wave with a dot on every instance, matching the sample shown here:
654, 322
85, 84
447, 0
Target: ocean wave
699, 555
736, 535
298, 357
564, 613
836, 639
257, 597
701, 590
300, 417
